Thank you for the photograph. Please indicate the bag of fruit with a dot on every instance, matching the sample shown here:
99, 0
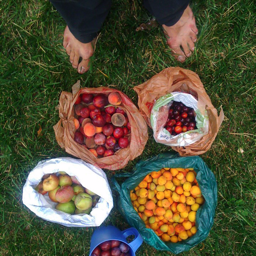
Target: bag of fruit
175, 104
170, 200
69, 192
101, 126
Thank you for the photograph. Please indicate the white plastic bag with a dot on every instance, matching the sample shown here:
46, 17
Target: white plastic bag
159, 116
88, 175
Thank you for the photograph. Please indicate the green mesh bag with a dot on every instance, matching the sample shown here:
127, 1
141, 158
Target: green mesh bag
204, 216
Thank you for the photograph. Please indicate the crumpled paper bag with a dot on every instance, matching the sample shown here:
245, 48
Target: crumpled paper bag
65, 129
176, 79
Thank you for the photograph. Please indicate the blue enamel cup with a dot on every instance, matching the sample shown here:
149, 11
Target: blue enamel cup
107, 233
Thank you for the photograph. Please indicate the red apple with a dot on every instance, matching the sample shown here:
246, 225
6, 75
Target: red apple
64, 194
52, 194
39, 188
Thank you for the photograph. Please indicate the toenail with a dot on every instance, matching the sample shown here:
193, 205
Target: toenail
82, 69
194, 40
180, 58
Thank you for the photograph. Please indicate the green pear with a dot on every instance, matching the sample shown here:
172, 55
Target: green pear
68, 207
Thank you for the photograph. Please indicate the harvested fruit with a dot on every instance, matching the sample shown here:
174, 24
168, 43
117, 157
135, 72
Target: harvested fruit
71, 196
112, 248
167, 201
181, 119
101, 126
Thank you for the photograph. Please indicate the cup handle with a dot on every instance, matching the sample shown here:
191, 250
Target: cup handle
138, 240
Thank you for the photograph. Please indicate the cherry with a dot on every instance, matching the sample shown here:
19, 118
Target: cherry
192, 124
169, 129
184, 128
191, 113
184, 114
190, 128
171, 122
115, 243
176, 112
170, 111
178, 123
185, 109
178, 129
177, 118
105, 246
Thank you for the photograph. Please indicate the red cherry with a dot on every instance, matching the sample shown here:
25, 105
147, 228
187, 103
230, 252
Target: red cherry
172, 122
169, 129
192, 124
178, 123
170, 111
178, 129
123, 142
177, 118
190, 128
176, 112
118, 132
185, 109
191, 112
184, 114
184, 128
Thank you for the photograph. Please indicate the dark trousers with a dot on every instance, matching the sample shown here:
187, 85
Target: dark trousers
85, 17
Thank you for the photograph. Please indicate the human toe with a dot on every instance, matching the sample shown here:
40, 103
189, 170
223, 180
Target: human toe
83, 66
186, 49
75, 60
191, 44
68, 49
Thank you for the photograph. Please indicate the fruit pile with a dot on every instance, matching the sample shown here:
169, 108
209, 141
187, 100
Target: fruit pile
101, 124
112, 248
68, 192
181, 119
167, 202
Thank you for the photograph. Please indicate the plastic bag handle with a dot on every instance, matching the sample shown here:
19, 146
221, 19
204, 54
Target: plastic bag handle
138, 240
119, 175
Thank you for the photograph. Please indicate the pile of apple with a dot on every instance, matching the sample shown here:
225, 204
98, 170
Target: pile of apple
68, 192
181, 119
167, 202
101, 126
112, 248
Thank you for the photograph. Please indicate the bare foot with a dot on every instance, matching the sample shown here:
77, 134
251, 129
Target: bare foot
75, 49
182, 35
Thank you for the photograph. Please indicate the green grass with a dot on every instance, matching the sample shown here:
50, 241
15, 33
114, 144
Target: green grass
35, 70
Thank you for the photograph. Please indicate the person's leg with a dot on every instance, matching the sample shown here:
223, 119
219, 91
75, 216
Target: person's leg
84, 19
178, 22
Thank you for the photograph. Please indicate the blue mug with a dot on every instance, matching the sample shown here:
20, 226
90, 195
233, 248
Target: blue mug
107, 233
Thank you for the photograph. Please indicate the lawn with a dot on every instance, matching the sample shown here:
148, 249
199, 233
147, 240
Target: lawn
35, 69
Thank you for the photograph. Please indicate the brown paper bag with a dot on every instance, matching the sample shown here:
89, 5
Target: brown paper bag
175, 79
65, 129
